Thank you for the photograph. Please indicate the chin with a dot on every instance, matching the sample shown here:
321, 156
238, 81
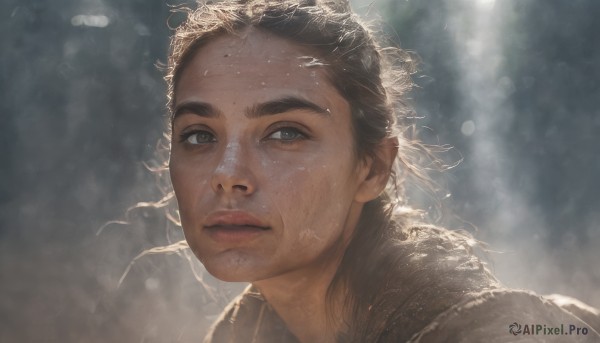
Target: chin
233, 267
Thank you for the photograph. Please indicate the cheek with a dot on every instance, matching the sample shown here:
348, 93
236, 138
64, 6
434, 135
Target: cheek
189, 184
313, 203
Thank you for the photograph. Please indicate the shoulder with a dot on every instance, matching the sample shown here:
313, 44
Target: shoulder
439, 290
503, 315
416, 275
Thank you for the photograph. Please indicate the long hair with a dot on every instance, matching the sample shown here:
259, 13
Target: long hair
374, 80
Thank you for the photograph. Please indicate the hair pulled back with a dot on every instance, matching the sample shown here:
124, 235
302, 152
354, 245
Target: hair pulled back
374, 81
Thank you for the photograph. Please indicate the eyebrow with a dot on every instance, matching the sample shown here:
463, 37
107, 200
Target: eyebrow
267, 108
283, 105
199, 108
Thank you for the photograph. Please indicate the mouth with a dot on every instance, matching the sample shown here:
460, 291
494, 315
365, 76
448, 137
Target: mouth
234, 226
234, 233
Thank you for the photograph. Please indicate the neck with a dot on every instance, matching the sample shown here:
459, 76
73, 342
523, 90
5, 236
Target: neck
300, 300
300, 297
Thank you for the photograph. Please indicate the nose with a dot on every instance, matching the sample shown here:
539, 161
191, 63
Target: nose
232, 174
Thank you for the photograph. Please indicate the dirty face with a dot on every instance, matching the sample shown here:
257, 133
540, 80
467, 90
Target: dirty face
262, 159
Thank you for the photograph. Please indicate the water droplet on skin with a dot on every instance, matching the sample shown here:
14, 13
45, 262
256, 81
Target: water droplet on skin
205, 72
287, 74
263, 83
238, 73
268, 61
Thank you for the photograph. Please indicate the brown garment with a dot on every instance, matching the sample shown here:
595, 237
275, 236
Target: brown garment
488, 317
249, 318
483, 317
426, 287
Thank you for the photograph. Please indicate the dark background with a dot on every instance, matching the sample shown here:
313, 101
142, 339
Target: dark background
513, 85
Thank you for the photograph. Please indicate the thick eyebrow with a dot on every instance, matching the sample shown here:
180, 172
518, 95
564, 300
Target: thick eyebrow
267, 108
199, 108
283, 105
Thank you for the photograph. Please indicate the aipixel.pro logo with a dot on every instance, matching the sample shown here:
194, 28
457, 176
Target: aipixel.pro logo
545, 330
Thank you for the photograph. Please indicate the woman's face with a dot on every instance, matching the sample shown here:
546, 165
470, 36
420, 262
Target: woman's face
262, 159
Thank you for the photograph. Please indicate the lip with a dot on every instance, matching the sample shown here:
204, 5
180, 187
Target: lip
233, 218
234, 226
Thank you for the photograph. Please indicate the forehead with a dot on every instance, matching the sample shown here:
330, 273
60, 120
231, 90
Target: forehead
260, 62
256, 43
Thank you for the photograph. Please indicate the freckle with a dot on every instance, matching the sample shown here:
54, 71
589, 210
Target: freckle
205, 72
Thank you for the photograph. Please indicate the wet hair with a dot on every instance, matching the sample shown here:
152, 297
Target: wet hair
374, 81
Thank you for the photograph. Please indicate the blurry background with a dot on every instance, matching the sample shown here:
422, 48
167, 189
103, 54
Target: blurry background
513, 85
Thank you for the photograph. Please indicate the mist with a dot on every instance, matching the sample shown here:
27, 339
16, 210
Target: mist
512, 85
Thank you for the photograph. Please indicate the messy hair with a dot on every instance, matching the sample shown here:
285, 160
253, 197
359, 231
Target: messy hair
375, 81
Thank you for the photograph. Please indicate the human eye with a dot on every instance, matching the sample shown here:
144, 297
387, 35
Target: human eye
197, 137
287, 134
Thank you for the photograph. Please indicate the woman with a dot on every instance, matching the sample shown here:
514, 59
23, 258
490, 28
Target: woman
285, 160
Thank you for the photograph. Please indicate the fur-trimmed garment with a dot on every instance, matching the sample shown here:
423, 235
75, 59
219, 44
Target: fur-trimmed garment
438, 293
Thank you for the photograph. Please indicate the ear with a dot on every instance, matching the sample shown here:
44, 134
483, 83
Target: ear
376, 172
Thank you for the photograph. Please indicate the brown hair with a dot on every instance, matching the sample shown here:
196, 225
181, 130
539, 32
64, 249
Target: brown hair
374, 81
